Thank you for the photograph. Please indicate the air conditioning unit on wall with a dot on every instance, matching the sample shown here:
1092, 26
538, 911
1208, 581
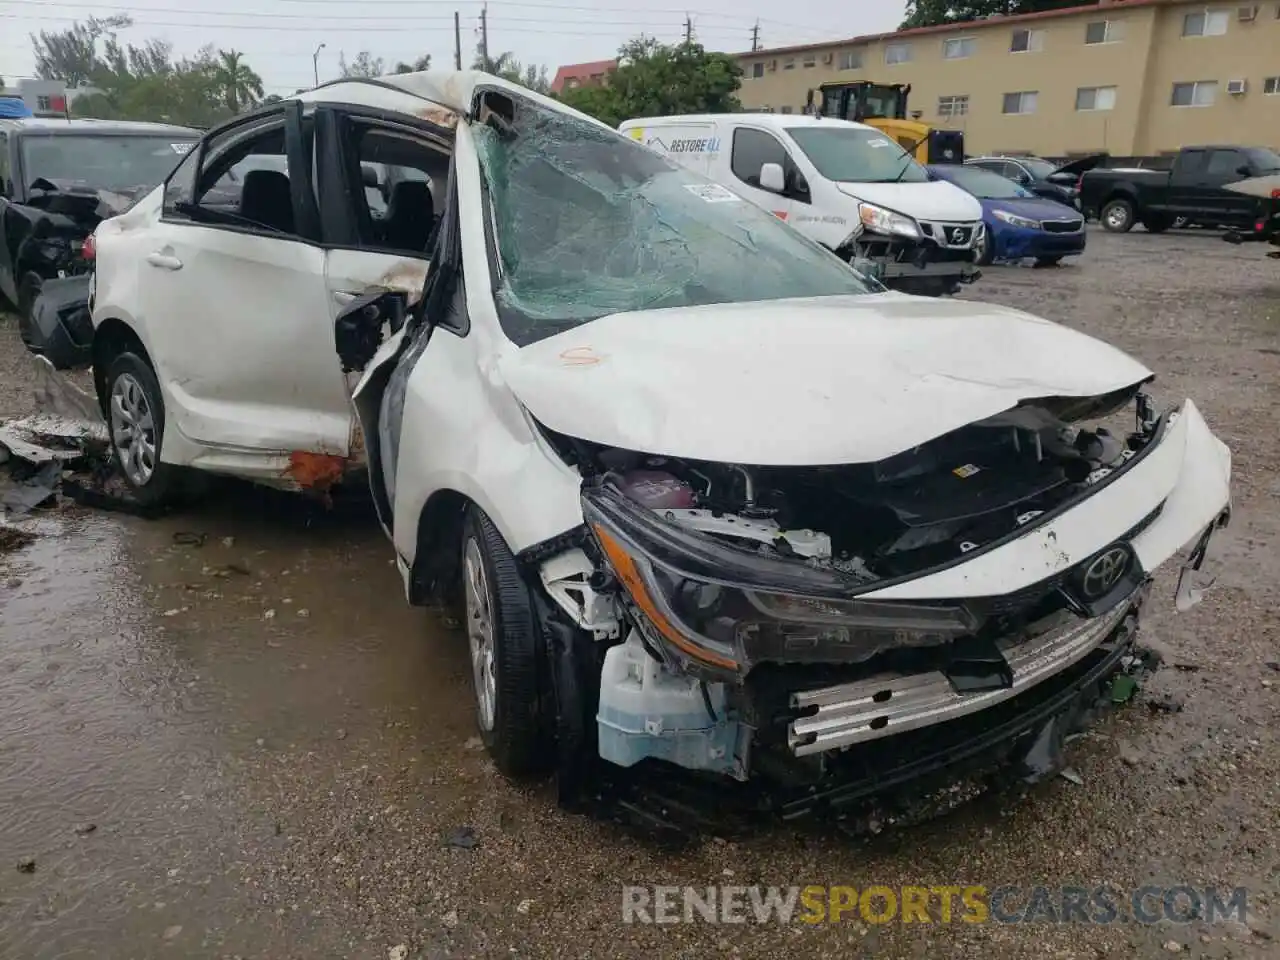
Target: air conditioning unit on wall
1246, 14
1237, 87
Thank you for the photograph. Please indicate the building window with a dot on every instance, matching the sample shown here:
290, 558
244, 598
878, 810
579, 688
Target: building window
897, 53
757, 70
789, 63
1027, 41
958, 49
957, 106
1205, 23
809, 60
1271, 86
851, 60
1200, 93
1024, 102
1103, 31
42, 103
572, 83
1096, 98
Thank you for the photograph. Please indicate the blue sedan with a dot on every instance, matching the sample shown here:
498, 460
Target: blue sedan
1019, 224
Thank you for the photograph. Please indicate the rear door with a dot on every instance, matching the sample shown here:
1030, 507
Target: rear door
234, 304
1186, 185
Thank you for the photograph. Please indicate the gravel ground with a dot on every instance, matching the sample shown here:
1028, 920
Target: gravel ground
274, 753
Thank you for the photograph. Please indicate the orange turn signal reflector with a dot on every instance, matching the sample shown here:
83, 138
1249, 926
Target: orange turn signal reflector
629, 574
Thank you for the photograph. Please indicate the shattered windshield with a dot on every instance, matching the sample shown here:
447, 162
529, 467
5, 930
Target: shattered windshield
118, 163
856, 155
588, 223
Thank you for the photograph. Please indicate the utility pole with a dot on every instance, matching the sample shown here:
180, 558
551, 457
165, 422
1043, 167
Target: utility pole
315, 63
755, 37
457, 41
484, 35
688, 29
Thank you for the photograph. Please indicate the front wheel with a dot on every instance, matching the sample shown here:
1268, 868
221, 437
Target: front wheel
984, 248
1117, 216
507, 656
135, 417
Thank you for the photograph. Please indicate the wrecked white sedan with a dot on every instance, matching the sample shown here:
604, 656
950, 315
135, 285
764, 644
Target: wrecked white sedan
707, 497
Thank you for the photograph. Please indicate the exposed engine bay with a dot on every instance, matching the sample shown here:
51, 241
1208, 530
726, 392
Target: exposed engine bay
896, 517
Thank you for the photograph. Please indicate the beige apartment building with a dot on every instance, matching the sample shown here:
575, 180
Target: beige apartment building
1129, 77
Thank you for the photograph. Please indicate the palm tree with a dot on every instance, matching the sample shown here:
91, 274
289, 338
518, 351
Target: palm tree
235, 81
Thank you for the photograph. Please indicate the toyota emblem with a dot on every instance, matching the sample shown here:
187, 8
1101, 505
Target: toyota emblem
1104, 572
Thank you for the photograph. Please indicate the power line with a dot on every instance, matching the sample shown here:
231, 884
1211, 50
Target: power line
398, 18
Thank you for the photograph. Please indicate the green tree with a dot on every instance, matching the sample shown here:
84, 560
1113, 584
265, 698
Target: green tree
422, 63
236, 81
928, 13
364, 65
506, 66
655, 79
71, 55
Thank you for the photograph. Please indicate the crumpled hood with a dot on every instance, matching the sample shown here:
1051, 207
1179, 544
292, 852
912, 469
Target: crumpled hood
807, 382
934, 200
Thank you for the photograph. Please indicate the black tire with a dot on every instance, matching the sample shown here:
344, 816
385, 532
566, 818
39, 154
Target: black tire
1117, 216
163, 484
1048, 261
1157, 224
988, 251
517, 736
28, 290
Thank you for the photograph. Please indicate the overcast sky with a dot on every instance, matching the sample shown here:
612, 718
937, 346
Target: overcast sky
278, 37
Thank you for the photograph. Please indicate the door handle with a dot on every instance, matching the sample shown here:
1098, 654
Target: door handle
164, 261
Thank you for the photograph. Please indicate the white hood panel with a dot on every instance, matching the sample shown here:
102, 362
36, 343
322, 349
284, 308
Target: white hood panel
808, 382
935, 200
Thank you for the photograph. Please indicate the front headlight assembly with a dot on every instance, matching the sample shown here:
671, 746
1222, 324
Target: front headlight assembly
883, 220
1016, 221
715, 610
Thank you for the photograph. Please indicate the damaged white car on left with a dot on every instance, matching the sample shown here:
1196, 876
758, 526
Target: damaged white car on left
711, 500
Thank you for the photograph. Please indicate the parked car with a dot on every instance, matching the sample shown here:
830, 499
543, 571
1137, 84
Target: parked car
1267, 188
1044, 178
58, 180
848, 186
706, 499
1019, 224
1193, 191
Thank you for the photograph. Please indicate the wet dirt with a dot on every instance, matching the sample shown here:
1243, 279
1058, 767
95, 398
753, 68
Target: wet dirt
224, 733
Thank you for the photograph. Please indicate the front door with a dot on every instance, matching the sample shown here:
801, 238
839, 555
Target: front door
233, 292
383, 184
751, 149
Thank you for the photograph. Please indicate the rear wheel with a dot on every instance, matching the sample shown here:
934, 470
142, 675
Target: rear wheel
135, 418
506, 651
1117, 216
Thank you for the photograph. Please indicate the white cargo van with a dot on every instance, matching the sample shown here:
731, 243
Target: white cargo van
846, 185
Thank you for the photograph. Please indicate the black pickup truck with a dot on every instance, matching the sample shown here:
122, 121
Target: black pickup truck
1192, 191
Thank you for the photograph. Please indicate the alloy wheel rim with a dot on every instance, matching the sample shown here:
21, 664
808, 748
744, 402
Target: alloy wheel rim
1116, 216
133, 431
480, 633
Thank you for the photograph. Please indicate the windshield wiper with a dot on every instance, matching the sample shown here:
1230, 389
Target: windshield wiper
909, 159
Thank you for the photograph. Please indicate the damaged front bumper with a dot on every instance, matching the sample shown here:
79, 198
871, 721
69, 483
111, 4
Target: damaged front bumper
734, 663
941, 254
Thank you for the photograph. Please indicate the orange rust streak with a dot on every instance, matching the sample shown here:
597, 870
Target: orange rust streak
316, 471
629, 574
